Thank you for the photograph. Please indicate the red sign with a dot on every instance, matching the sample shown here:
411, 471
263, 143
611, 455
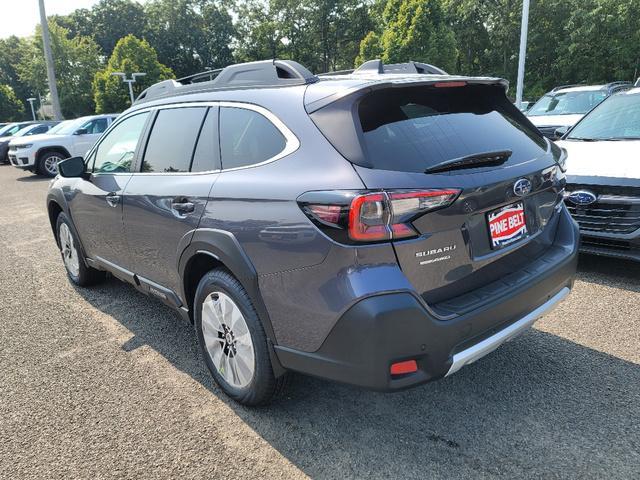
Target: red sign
507, 225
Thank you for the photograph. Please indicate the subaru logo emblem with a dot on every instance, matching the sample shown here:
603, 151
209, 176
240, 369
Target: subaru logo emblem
522, 187
582, 197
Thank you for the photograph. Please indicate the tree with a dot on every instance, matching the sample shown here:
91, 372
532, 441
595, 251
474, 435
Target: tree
76, 62
370, 48
129, 55
414, 30
323, 35
113, 19
189, 35
11, 109
10, 51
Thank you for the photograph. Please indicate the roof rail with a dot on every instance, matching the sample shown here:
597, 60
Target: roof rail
266, 73
571, 85
376, 66
618, 85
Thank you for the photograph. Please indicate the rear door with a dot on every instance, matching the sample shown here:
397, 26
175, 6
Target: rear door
168, 193
497, 225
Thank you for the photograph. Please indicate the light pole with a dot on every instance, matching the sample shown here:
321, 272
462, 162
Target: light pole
130, 81
523, 51
51, 74
33, 112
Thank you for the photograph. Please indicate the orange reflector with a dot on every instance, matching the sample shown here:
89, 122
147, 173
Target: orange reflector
450, 84
401, 368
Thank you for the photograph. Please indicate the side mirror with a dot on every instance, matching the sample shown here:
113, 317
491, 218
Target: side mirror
561, 131
73, 167
81, 131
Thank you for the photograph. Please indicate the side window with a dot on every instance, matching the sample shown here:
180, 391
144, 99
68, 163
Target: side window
207, 154
172, 140
96, 126
115, 153
37, 130
247, 137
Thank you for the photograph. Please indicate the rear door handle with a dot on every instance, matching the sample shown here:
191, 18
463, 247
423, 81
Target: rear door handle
182, 206
113, 199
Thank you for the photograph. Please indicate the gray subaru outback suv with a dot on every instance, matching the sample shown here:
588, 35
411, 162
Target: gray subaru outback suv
382, 227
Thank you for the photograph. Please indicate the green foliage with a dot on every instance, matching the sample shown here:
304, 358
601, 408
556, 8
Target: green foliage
418, 30
11, 109
129, 55
10, 51
76, 61
370, 48
189, 35
570, 41
107, 22
323, 35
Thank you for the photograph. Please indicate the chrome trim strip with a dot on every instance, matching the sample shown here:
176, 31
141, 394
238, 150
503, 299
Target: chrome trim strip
291, 141
488, 345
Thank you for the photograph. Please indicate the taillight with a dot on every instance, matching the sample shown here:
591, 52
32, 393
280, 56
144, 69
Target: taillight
373, 216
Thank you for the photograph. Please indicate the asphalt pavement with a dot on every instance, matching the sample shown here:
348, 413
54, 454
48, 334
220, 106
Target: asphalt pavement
108, 383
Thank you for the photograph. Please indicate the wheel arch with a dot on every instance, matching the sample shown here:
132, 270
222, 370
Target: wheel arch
51, 148
211, 248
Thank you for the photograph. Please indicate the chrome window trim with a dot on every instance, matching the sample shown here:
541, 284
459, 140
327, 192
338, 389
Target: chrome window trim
291, 141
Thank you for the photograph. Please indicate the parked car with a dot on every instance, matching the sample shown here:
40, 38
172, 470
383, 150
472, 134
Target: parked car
41, 153
603, 190
525, 105
28, 131
564, 106
11, 128
381, 228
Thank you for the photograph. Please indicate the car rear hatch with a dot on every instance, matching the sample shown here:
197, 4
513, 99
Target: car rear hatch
462, 136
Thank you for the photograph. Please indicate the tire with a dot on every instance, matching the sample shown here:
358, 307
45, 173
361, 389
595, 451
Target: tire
73, 257
234, 347
48, 164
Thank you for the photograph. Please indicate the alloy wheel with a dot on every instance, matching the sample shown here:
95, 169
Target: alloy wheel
51, 164
69, 250
228, 340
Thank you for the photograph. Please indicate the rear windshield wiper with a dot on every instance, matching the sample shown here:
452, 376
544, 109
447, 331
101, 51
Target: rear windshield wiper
470, 161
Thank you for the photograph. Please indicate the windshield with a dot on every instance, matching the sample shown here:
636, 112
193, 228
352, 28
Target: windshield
60, 126
567, 103
25, 130
9, 130
616, 119
69, 127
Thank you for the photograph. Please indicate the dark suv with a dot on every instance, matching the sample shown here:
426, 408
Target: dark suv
382, 227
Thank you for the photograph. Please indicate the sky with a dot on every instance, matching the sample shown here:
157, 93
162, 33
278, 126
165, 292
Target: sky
19, 17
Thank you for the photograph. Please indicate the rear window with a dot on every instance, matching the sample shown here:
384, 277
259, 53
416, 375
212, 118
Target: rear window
412, 129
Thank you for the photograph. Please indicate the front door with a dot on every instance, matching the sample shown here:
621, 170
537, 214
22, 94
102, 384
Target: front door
96, 203
168, 192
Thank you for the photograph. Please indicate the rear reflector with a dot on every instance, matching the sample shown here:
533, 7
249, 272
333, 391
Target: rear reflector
401, 368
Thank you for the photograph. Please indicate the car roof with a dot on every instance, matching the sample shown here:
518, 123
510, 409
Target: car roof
241, 81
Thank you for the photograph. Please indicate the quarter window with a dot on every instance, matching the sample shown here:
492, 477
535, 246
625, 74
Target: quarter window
247, 138
115, 153
172, 140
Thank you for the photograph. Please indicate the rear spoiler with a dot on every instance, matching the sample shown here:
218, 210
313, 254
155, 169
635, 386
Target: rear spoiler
313, 103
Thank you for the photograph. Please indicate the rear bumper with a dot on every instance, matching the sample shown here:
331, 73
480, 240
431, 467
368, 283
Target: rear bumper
384, 329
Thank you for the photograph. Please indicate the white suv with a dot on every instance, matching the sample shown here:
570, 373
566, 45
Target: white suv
564, 106
41, 153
